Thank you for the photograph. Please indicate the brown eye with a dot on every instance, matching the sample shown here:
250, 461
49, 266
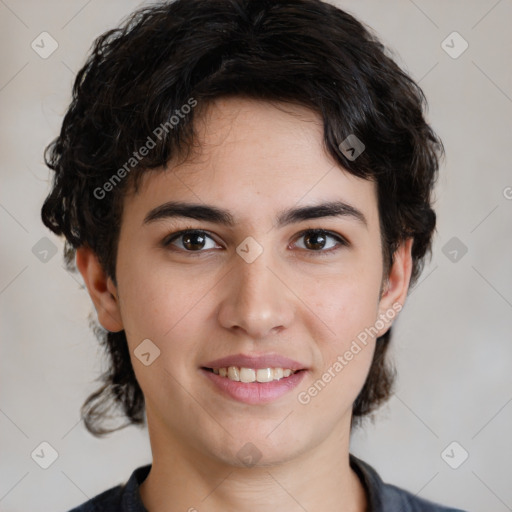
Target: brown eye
191, 241
314, 241
319, 240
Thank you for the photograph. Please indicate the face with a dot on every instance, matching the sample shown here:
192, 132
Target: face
283, 278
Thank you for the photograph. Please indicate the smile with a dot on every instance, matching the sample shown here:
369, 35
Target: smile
253, 386
242, 374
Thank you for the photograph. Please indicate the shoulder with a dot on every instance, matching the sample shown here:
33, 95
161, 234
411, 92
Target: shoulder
109, 500
410, 502
384, 497
122, 498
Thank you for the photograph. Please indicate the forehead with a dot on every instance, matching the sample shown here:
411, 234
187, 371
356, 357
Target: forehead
256, 156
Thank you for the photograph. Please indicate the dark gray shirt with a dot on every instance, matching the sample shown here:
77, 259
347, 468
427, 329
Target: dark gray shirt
381, 497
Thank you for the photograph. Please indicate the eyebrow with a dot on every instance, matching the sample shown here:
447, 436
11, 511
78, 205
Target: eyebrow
217, 215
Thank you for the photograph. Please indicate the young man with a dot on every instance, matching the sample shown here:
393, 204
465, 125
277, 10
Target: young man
245, 188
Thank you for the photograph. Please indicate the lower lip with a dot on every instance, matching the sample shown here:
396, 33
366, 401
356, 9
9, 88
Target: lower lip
255, 392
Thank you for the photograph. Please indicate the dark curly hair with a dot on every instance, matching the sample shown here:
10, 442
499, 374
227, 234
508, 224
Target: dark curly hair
305, 52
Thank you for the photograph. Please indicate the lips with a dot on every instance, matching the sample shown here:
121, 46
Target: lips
252, 393
256, 362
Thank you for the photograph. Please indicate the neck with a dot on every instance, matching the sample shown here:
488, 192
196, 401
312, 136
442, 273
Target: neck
183, 478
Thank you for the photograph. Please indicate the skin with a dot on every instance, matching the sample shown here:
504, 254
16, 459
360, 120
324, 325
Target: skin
254, 159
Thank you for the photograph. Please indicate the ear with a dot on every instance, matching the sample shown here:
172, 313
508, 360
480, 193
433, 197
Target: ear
101, 288
396, 285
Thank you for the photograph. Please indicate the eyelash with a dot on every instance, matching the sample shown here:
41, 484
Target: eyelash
319, 253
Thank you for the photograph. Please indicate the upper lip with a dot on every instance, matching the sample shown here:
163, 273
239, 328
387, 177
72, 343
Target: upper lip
255, 361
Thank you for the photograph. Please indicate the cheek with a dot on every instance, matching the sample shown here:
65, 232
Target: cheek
166, 310
151, 305
164, 305
345, 307
349, 316
346, 303
345, 349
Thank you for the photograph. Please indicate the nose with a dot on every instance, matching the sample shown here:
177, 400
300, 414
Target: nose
257, 300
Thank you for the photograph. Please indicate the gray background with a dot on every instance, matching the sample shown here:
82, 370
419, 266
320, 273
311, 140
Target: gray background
452, 343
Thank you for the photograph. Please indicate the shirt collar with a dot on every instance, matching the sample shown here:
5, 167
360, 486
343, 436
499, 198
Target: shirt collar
372, 483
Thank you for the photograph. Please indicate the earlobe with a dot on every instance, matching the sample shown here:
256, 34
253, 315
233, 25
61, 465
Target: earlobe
101, 289
397, 284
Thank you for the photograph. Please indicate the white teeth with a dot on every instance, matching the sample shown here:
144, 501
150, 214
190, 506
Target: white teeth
264, 375
233, 373
246, 374
278, 373
253, 375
